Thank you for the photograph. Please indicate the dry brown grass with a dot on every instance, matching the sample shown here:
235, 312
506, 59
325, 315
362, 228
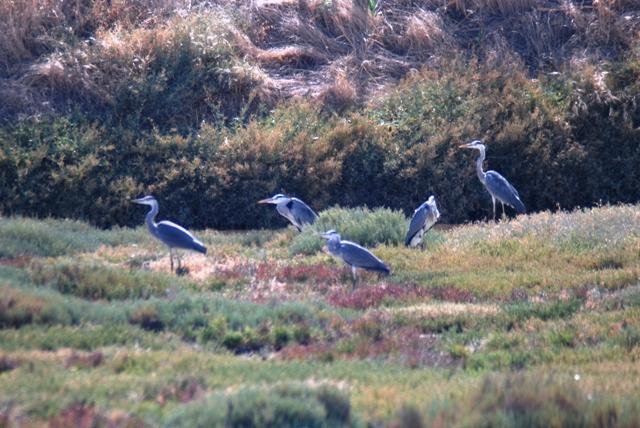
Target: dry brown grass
425, 34
78, 50
340, 94
493, 7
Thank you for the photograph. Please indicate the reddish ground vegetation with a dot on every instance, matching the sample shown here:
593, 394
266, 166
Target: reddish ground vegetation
451, 294
17, 262
84, 360
371, 296
309, 273
7, 364
82, 415
183, 391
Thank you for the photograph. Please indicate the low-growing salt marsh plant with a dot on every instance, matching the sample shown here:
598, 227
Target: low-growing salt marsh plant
21, 236
93, 281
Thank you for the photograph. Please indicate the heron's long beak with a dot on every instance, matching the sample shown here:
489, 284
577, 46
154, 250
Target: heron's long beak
266, 201
138, 201
466, 146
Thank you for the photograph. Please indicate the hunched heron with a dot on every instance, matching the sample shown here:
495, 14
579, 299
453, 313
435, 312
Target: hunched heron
497, 186
171, 234
293, 209
424, 217
354, 255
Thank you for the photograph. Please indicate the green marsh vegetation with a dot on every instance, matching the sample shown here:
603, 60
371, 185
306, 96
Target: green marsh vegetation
530, 321
533, 321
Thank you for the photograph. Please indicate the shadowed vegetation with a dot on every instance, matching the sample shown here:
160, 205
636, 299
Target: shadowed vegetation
197, 103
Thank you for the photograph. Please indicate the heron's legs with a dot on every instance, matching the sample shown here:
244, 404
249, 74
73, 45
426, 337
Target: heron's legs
503, 213
179, 257
353, 274
171, 257
493, 199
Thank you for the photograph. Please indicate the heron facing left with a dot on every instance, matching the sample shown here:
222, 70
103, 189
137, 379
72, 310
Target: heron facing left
354, 255
172, 235
497, 186
293, 209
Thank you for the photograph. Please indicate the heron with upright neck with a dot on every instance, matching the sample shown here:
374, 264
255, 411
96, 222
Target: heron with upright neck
497, 186
172, 235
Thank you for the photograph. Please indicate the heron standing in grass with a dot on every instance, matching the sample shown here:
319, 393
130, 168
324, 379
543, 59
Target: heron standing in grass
293, 209
497, 186
171, 234
424, 217
353, 254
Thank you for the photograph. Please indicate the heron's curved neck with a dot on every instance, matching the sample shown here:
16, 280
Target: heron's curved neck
151, 216
479, 161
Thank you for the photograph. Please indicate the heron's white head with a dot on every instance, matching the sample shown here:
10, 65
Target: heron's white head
475, 144
330, 234
147, 200
275, 199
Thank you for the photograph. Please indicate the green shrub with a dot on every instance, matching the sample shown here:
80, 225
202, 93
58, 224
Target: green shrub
148, 318
86, 337
232, 340
519, 312
288, 405
215, 331
535, 400
94, 281
628, 337
51, 238
560, 141
281, 336
361, 225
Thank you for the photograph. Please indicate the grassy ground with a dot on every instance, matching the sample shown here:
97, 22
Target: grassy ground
533, 321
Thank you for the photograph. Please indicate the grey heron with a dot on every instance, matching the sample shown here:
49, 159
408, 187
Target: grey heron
424, 217
497, 186
171, 234
353, 254
293, 209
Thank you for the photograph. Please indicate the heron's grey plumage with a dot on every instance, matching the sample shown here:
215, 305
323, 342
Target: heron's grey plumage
424, 217
502, 190
293, 209
171, 234
353, 254
497, 186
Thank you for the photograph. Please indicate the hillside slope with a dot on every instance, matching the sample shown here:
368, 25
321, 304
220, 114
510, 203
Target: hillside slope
54, 55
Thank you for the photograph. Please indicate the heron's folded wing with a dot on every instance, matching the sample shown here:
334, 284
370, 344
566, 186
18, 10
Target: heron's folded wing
417, 222
177, 236
503, 190
302, 213
360, 257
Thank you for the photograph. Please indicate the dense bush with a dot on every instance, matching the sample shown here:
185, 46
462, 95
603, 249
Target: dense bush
562, 142
363, 226
287, 405
95, 281
516, 400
